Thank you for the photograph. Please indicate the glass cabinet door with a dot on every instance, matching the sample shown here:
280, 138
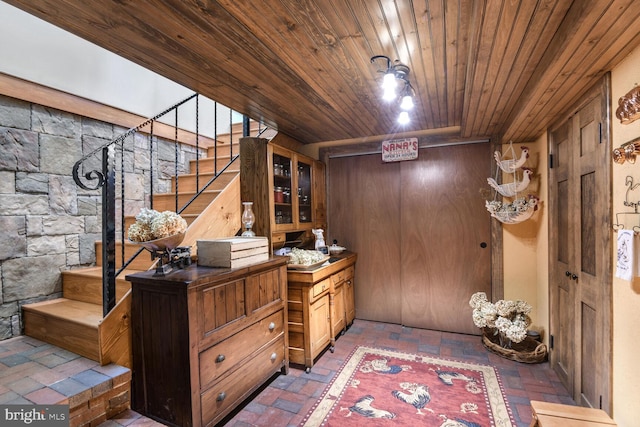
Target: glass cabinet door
282, 197
304, 193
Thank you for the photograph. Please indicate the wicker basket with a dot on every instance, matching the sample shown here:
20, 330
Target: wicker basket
527, 351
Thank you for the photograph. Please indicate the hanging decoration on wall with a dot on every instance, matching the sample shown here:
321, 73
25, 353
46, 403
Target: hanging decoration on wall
627, 152
521, 207
628, 110
517, 211
629, 219
396, 150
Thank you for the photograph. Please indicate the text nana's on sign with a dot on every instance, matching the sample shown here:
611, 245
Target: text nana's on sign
396, 150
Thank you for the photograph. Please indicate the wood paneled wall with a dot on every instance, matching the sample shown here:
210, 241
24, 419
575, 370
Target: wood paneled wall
419, 228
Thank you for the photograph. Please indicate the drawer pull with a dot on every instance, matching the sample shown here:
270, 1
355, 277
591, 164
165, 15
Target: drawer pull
272, 326
274, 356
221, 396
220, 358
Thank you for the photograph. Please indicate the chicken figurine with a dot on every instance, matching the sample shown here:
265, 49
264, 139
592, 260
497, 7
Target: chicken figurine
517, 211
510, 189
511, 165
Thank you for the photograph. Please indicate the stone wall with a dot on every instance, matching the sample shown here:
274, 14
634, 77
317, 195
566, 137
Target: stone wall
47, 223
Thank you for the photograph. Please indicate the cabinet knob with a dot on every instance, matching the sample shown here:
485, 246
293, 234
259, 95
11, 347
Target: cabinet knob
272, 326
221, 396
220, 358
274, 356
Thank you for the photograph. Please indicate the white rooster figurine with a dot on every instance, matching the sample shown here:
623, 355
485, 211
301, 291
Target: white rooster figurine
511, 165
510, 189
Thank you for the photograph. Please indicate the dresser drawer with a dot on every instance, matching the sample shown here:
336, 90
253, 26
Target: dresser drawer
230, 391
218, 359
321, 287
338, 277
342, 275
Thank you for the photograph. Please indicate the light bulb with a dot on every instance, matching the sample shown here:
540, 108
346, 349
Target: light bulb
389, 81
407, 102
389, 94
403, 118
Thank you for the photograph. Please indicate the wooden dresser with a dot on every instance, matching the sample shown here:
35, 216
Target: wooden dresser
205, 338
321, 305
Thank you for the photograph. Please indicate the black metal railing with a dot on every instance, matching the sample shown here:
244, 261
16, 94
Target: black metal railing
116, 167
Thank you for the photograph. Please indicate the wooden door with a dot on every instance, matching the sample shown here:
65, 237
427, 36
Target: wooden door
349, 300
580, 251
418, 228
446, 236
319, 325
562, 291
364, 205
338, 314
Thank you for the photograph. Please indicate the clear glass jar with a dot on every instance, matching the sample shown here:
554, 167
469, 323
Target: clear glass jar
278, 196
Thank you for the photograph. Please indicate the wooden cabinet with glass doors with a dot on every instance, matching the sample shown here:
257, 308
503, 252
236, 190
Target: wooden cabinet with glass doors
287, 191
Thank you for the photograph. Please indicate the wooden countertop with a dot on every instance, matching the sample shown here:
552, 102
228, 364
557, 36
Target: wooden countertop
195, 274
345, 259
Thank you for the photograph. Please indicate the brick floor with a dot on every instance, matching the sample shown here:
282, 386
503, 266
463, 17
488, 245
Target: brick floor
287, 399
32, 371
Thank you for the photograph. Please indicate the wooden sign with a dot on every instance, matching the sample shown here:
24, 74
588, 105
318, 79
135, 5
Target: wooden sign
397, 150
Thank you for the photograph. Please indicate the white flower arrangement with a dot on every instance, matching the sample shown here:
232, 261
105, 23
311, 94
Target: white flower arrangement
152, 225
510, 319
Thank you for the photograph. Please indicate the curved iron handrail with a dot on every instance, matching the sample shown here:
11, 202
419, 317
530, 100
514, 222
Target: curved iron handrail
95, 179
99, 175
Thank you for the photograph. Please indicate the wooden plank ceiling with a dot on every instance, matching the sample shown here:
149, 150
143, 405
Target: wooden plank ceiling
502, 69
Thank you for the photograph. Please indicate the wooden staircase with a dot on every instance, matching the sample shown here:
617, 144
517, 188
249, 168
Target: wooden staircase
75, 322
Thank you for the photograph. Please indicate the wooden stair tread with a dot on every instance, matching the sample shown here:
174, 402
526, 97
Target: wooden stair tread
79, 312
185, 193
96, 272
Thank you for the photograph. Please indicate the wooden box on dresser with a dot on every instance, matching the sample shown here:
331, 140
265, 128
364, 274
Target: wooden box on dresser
205, 338
320, 307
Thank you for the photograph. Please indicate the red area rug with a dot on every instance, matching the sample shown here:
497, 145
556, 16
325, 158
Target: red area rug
390, 388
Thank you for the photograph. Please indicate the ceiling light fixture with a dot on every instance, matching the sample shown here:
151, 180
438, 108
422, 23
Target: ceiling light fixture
396, 75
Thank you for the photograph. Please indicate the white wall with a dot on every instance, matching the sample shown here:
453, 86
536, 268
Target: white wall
37, 51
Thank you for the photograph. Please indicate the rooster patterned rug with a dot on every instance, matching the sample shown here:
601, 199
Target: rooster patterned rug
378, 387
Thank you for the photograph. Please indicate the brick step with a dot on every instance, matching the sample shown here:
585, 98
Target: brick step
94, 393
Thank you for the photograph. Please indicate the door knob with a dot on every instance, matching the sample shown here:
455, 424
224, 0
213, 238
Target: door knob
567, 273
574, 277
